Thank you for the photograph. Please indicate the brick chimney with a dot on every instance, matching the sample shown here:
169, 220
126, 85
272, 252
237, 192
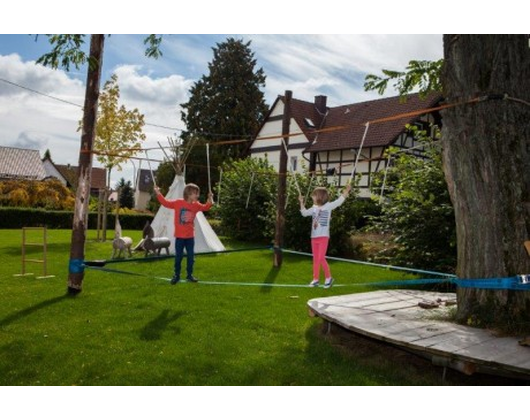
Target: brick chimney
320, 103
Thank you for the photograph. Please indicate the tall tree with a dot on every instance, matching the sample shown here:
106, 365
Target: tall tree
118, 129
227, 104
67, 50
486, 155
126, 193
118, 132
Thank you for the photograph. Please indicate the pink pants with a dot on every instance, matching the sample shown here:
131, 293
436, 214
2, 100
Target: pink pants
319, 247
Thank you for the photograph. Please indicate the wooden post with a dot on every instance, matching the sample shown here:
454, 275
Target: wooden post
116, 221
106, 196
79, 226
100, 214
282, 182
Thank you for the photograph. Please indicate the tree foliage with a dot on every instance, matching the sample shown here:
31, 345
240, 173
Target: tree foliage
117, 128
68, 49
417, 208
227, 104
421, 75
126, 193
251, 181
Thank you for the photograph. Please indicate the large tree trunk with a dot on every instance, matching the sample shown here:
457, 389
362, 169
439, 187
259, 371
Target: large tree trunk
487, 167
79, 226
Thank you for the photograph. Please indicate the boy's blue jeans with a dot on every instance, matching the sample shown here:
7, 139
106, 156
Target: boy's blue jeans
180, 245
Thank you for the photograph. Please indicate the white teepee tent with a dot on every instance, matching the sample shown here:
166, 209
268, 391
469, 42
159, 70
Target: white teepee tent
163, 224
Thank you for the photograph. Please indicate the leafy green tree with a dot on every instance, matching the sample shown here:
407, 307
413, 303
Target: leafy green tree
421, 75
126, 193
227, 104
118, 130
417, 208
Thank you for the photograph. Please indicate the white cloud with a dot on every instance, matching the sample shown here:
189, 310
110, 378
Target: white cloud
30, 120
336, 65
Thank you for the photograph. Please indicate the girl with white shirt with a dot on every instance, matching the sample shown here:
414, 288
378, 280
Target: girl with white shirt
321, 218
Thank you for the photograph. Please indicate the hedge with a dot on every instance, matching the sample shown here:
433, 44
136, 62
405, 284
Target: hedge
17, 218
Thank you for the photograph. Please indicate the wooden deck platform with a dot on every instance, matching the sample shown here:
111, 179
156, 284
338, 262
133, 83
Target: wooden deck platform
394, 316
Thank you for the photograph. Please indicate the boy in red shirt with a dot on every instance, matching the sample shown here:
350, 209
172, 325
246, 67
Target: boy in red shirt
185, 211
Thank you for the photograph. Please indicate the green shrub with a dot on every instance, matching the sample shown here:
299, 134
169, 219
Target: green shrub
253, 181
418, 211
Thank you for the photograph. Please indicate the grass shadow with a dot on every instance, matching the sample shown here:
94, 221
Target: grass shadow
155, 328
270, 280
29, 311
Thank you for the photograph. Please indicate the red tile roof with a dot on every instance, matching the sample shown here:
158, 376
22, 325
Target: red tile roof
18, 163
70, 173
300, 110
354, 117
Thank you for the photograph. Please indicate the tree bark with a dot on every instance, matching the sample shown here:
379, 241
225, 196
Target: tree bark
486, 163
282, 181
77, 247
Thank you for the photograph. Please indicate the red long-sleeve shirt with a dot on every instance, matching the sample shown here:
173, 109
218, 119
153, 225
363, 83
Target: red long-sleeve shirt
184, 214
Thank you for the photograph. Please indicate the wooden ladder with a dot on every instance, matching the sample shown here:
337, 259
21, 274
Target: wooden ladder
42, 244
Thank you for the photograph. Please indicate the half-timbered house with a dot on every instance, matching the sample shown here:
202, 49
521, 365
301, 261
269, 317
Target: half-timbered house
328, 140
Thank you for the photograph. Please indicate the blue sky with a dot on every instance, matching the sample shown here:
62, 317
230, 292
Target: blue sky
309, 65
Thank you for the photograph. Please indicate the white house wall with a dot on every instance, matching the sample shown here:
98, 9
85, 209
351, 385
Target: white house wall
273, 146
52, 171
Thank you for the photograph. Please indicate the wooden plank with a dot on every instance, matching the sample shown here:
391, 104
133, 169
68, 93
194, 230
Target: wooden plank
383, 300
519, 358
459, 341
492, 350
394, 317
391, 306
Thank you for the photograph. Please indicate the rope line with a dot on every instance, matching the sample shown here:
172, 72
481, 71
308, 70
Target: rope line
101, 263
391, 267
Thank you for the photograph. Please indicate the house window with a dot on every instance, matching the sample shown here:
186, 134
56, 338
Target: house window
294, 163
309, 122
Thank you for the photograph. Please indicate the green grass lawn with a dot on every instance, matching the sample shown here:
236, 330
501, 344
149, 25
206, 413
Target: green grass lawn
140, 330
